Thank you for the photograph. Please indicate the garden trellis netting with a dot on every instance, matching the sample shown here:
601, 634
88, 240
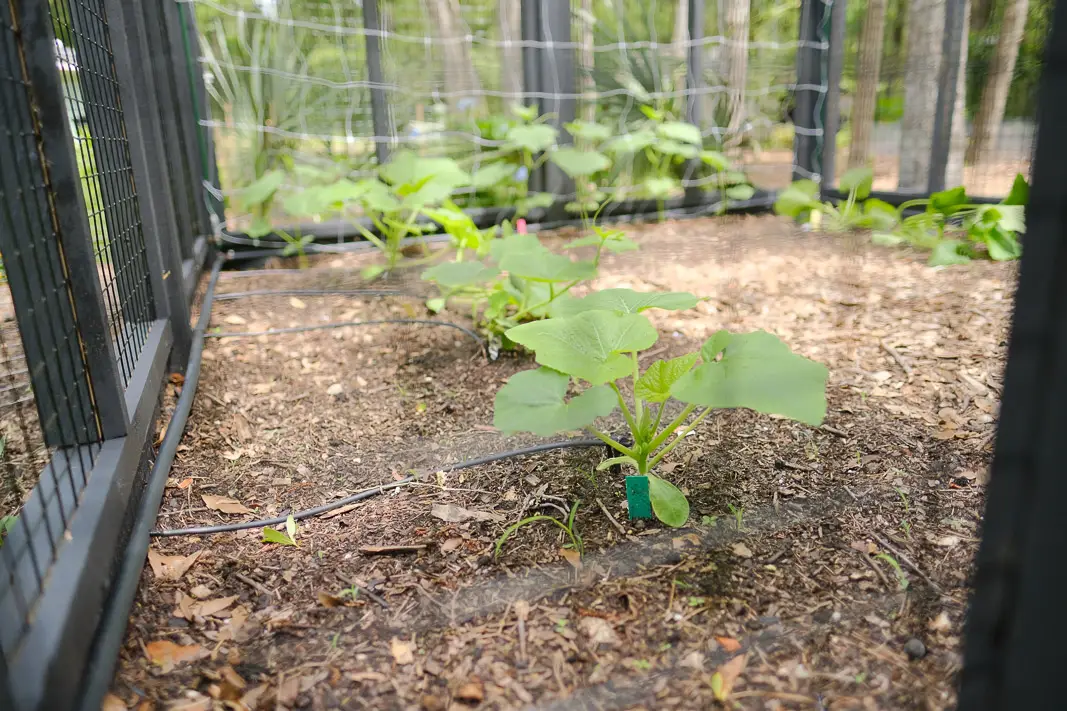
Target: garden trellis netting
140, 138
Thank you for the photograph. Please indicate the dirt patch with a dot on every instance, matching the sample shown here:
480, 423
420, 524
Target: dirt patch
816, 554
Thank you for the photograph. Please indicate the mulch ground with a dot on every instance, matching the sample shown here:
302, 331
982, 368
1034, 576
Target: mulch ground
823, 568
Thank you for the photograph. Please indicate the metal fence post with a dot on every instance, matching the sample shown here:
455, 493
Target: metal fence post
71, 224
379, 108
694, 73
559, 72
809, 82
532, 87
832, 108
941, 144
126, 30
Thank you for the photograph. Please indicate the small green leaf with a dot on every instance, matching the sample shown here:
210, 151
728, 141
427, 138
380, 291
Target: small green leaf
948, 201
578, 164
651, 112
798, 198
260, 227
615, 242
591, 345
740, 192
670, 147
680, 131
631, 142
947, 252
668, 503
533, 401
886, 239
290, 527
262, 189
655, 384
371, 272
524, 256
435, 305
628, 301
659, 187
715, 160
757, 371
533, 138
540, 200
453, 275
526, 113
588, 131
607, 463
859, 180
881, 215
491, 175
1020, 192
271, 535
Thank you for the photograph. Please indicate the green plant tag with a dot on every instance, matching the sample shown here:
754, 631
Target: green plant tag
637, 498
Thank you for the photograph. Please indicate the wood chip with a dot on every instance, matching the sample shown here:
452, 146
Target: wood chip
391, 550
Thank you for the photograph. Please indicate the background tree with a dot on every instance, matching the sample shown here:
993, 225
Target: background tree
958, 137
995, 94
926, 27
868, 68
461, 80
736, 22
509, 27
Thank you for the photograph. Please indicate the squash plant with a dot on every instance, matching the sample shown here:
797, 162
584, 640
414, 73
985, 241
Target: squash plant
504, 172
593, 345
800, 201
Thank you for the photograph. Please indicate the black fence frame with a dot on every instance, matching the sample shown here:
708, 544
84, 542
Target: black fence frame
157, 158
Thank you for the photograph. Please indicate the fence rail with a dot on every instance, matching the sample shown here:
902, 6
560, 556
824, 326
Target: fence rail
103, 234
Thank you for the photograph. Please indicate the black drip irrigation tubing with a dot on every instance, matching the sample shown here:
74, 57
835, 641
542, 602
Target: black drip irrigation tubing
373, 491
345, 324
230, 296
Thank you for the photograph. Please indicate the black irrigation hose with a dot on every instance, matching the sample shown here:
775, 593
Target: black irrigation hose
367, 493
343, 324
230, 296
116, 616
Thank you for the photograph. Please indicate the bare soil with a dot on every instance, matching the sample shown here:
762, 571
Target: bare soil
813, 557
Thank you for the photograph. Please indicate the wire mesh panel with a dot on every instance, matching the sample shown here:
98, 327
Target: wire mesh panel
95, 107
47, 454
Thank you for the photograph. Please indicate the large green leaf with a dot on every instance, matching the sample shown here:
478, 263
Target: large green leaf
628, 301
631, 142
715, 160
578, 164
680, 131
491, 175
948, 252
659, 187
670, 147
1002, 245
668, 502
533, 138
591, 345
948, 201
740, 192
588, 131
759, 372
524, 256
533, 401
858, 179
453, 275
409, 168
798, 198
881, 216
655, 384
262, 189
1020, 192
377, 197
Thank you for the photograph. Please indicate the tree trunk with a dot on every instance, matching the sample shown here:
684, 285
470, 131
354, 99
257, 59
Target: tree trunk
995, 93
958, 137
460, 79
867, 71
586, 61
736, 16
509, 25
679, 48
926, 27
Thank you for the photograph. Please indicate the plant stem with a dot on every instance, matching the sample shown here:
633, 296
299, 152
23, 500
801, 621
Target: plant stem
659, 416
679, 438
617, 446
630, 421
674, 424
638, 405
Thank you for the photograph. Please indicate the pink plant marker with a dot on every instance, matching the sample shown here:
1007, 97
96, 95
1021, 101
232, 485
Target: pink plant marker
520, 226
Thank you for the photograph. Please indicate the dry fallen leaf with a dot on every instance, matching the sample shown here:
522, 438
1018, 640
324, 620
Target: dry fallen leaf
941, 623
722, 681
201, 592
255, 696
741, 550
472, 691
728, 644
456, 514
113, 703
170, 567
341, 511
599, 631
403, 652
451, 544
684, 541
232, 631
208, 608
571, 556
243, 427
167, 654
185, 483
327, 600
224, 504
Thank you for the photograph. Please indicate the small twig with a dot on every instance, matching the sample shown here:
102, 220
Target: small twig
906, 561
616, 524
878, 571
365, 591
833, 431
253, 583
897, 357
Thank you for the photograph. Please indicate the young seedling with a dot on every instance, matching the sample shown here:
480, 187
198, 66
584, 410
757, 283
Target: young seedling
800, 201
738, 514
286, 538
902, 578
567, 526
595, 342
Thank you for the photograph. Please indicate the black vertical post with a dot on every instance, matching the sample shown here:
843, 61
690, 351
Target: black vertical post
559, 76
941, 145
1013, 641
202, 107
156, 206
6, 699
71, 220
187, 117
379, 108
832, 109
532, 86
809, 76
694, 68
